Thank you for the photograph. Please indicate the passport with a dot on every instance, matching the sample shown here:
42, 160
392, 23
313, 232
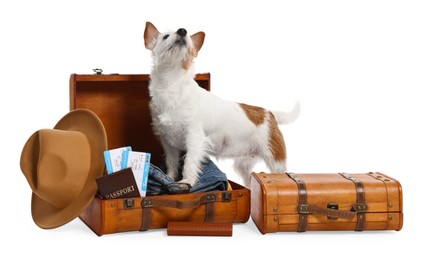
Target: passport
120, 184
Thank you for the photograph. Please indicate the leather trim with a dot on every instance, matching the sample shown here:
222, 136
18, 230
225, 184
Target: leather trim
360, 207
146, 219
302, 200
209, 212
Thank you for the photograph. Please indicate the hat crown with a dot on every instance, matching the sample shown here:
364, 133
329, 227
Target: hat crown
56, 164
61, 166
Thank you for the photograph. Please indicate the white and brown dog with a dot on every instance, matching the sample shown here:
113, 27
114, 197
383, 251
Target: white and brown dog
189, 119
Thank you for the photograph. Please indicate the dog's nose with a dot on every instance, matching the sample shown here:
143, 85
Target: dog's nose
182, 32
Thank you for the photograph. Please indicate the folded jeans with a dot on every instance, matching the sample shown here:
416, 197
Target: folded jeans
211, 178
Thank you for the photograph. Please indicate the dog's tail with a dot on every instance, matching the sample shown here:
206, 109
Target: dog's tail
284, 117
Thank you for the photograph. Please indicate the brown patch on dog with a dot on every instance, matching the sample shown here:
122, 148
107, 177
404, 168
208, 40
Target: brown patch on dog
189, 59
276, 142
257, 115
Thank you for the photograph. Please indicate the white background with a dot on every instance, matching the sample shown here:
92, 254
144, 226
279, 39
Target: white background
357, 67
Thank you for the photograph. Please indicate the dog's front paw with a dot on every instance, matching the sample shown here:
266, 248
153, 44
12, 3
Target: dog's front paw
188, 181
190, 175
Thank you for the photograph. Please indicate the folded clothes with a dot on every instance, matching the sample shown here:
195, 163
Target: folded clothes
211, 178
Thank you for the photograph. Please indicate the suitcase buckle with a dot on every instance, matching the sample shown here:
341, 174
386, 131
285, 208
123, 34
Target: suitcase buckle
147, 203
303, 209
210, 198
360, 207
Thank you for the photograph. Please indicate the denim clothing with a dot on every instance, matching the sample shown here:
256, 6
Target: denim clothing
210, 179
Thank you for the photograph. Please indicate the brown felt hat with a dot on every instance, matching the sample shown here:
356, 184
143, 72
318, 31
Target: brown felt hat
61, 166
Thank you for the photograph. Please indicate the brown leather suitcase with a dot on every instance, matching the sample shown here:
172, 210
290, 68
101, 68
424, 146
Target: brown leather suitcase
152, 212
122, 103
303, 202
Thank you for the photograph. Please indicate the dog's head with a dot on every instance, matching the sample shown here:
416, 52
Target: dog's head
173, 48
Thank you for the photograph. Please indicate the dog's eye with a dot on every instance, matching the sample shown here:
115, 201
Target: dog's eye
165, 36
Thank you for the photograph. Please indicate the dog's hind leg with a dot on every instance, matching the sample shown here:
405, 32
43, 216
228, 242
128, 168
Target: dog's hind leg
277, 166
274, 153
244, 166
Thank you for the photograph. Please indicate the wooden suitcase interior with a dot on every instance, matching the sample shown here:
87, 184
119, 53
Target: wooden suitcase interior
121, 102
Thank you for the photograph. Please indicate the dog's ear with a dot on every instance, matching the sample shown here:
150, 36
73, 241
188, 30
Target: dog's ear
198, 40
150, 35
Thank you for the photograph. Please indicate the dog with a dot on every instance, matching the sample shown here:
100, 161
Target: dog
188, 119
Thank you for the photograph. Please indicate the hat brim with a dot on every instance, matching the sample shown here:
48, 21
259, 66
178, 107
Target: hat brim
47, 216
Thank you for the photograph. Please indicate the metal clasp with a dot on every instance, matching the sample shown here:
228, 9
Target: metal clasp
226, 197
98, 71
360, 207
128, 203
334, 206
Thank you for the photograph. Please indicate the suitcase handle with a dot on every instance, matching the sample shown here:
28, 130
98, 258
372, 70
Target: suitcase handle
331, 213
148, 203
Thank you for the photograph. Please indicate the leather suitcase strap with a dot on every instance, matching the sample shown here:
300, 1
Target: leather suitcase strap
360, 207
304, 208
155, 202
302, 202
